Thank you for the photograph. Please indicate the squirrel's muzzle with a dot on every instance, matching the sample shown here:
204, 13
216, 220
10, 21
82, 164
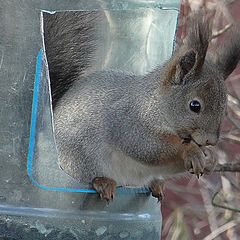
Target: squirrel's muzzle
205, 139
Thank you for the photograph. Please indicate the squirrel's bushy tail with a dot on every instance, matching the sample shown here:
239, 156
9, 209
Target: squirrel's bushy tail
70, 42
227, 55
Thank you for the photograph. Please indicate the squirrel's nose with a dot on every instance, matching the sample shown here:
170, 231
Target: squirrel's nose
212, 140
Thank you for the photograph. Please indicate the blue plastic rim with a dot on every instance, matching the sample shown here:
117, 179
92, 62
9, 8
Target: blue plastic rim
33, 130
32, 143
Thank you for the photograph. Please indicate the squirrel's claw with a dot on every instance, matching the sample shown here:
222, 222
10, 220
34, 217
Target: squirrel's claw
157, 187
200, 174
198, 165
105, 187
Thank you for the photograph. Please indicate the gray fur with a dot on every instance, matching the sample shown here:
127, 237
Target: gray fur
115, 124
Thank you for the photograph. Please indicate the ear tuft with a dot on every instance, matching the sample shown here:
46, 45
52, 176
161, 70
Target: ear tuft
198, 37
190, 57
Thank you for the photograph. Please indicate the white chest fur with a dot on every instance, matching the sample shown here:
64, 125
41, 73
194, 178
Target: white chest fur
127, 171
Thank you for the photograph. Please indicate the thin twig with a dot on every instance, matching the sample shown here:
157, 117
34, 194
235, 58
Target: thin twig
228, 167
221, 229
231, 138
234, 121
221, 31
222, 206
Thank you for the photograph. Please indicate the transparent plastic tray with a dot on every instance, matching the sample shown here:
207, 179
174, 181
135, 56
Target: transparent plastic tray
32, 184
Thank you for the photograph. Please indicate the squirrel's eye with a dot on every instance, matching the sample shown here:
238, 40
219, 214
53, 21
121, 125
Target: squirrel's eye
195, 106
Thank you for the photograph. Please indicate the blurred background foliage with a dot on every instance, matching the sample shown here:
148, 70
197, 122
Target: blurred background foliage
209, 208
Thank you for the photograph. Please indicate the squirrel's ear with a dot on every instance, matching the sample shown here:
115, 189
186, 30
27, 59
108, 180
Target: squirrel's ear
191, 55
227, 56
184, 66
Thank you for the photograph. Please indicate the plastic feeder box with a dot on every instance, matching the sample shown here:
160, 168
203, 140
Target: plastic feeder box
37, 199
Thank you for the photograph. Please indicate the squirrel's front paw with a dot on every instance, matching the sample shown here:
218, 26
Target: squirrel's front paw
194, 160
105, 187
157, 187
210, 160
199, 160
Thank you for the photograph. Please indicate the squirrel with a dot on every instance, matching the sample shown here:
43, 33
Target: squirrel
115, 128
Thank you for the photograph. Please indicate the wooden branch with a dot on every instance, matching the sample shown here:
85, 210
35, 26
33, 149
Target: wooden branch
221, 31
228, 167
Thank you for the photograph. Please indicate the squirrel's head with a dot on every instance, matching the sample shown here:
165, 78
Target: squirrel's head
197, 105
194, 91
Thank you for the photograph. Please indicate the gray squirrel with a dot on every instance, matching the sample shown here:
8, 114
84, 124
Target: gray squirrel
115, 128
